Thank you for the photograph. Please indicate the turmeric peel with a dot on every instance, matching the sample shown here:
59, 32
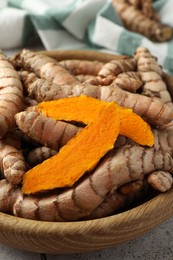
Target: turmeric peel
85, 109
66, 167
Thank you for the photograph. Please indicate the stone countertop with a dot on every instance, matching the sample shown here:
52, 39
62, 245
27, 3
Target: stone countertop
156, 244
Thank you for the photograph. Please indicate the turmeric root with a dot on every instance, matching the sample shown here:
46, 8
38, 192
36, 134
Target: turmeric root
160, 180
163, 140
95, 80
135, 20
131, 187
85, 109
65, 168
146, 7
122, 166
12, 163
151, 73
29, 102
39, 154
117, 200
152, 110
85, 78
111, 204
12, 139
80, 109
11, 95
129, 81
44, 67
47, 131
115, 67
41, 89
85, 67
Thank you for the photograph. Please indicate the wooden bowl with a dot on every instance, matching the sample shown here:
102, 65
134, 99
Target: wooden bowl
90, 235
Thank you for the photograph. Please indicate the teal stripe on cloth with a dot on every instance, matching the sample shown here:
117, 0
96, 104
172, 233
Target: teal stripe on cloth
60, 14
45, 22
15, 3
158, 4
108, 12
90, 34
168, 64
29, 34
128, 42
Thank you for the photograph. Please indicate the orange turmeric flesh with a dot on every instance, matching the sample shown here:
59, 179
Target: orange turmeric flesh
81, 154
85, 109
80, 109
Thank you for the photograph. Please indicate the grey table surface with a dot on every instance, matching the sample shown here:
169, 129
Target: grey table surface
156, 244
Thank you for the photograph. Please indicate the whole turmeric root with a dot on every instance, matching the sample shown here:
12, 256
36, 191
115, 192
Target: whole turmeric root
11, 95
95, 80
160, 180
12, 163
145, 6
120, 199
39, 154
82, 67
53, 134
117, 169
41, 89
44, 67
129, 81
115, 67
152, 109
135, 20
151, 74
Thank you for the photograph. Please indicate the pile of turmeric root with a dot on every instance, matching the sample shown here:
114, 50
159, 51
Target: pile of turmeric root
82, 139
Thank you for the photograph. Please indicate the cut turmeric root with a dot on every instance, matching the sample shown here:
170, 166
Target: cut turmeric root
80, 109
85, 109
81, 154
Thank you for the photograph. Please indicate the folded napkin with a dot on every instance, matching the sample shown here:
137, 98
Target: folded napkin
78, 24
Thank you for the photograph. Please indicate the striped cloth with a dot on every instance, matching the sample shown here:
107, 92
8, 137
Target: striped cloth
78, 24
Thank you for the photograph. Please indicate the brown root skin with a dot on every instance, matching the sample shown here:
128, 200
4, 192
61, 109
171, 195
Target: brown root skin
115, 67
151, 74
153, 110
12, 163
160, 180
53, 134
82, 67
95, 80
126, 164
145, 6
36, 89
44, 67
146, 107
39, 154
11, 95
129, 81
119, 200
135, 20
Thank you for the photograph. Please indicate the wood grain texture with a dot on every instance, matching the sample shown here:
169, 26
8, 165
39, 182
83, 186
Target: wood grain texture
90, 235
